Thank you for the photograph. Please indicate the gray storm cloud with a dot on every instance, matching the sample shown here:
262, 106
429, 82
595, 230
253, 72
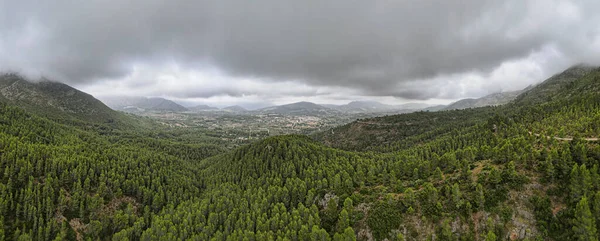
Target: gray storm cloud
376, 47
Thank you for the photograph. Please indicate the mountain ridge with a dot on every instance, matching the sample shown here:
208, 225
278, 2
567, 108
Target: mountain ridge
201, 107
297, 108
572, 83
136, 104
54, 99
500, 98
235, 108
369, 106
553, 86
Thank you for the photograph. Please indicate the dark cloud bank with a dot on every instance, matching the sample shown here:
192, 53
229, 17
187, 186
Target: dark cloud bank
408, 49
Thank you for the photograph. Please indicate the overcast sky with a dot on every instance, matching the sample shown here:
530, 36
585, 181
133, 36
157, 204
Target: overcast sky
223, 52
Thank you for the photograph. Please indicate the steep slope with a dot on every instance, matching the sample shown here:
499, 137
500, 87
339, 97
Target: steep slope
77, 183
559, 85
488, 100
54, 99
566, 106
141, 104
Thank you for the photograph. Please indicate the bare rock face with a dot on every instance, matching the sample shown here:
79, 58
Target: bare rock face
328, 196
365, 234
523, 222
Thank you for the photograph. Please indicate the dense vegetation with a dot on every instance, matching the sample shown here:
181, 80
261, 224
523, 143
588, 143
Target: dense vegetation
489, 173
398, 132
55, 175
57, 101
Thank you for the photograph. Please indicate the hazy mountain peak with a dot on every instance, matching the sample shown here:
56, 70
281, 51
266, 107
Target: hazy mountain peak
203, 107
52, 98
301, 108
581, 66
367, 104
370, 106
556, 85
235, 108
499, 98
140, 103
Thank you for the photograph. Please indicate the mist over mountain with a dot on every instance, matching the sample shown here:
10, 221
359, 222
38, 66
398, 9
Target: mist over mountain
202, 108
376, 107
210, 51
559, 84
53, 99
572, 84
141, 104
488, 100
235, 108
298, 108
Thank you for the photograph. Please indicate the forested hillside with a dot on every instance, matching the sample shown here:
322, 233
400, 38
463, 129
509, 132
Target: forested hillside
63, 182
560, 85
492, 173
400, 131
564, 105
55, 100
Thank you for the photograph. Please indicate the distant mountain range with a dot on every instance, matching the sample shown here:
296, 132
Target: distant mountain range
53, 98
488, 100
141, 104
579, 80
199, 108
376, 107
229, 109
298, 108
354, 107
542, 92
234, 108
434, 108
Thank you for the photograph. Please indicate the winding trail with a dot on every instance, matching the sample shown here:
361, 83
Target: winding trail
375, 123
565, 138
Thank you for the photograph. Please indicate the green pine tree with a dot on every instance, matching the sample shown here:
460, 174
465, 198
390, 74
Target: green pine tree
584, 225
